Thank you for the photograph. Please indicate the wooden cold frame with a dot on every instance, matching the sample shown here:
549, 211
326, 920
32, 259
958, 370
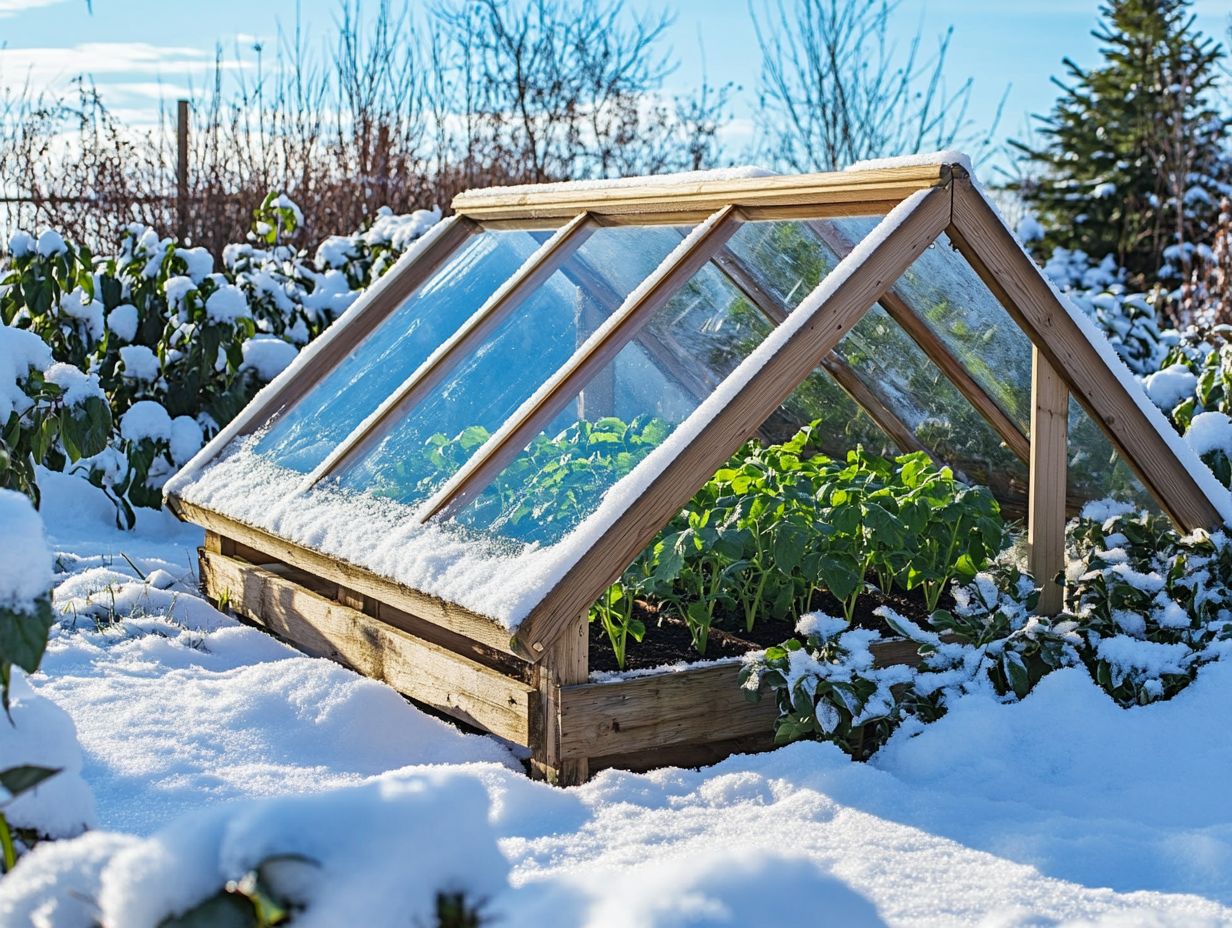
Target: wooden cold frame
533, 688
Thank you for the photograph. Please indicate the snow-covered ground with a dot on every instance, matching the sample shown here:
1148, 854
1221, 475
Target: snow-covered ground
210, 747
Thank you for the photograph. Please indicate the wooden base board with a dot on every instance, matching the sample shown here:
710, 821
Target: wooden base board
688, 718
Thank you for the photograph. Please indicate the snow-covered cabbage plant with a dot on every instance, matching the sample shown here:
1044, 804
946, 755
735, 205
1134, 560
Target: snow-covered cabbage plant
144, 354
1145, 608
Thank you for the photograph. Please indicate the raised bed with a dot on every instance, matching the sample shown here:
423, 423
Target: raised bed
572, 727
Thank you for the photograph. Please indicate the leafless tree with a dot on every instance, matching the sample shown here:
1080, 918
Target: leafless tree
835, 88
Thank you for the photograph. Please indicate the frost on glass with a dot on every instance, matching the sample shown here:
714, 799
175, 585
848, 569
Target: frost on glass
941, 288
1095, 469
304, 435
915, 389
622, 414
427, 442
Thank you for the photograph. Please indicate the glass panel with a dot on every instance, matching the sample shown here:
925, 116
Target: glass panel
1096, 470
304, 435
560, 477
887, 360
429, 441
844, 423
943, 290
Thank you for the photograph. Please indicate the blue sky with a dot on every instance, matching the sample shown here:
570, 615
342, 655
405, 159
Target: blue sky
142, 50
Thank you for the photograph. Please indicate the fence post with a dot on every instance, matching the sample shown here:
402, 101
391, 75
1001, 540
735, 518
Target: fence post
181, 169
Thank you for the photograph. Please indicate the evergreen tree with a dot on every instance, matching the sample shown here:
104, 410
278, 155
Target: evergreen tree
1133, 159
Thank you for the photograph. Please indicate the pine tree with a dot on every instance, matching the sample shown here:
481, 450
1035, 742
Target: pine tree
1133, 160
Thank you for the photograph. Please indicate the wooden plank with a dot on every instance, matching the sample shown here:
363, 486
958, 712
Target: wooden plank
938, 352
582, 366
419, 669
803, 191
694, 706
980, 235
567, 664
823, 325
456, 619
1046, 493
462, 343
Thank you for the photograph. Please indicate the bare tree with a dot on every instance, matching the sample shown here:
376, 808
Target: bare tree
835, 89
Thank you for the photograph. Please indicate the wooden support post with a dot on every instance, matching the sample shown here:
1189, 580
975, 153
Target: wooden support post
1046, 493
181, 169
219, 544
567, 663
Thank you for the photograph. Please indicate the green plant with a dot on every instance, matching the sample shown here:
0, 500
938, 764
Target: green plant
252, 901
17, 780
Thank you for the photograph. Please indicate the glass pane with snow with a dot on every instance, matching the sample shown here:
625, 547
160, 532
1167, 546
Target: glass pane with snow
429, 439
965, 316
304, 435
892, 365
629, 408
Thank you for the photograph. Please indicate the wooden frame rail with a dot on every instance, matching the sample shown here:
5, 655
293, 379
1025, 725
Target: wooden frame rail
1046, 496
833, 193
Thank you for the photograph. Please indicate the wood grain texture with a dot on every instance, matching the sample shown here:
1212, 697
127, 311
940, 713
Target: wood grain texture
461, 344
648, 714
767, 388
419, 669
567, 664
862, 190
1046, 493
486, 463
981, 236
456, 619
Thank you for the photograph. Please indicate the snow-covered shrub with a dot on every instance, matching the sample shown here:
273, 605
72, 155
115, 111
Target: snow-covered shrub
1130, 320
144, 354
1145, 608
41, 791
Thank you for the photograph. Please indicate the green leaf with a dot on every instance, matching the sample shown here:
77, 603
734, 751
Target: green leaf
18, 780
23, 636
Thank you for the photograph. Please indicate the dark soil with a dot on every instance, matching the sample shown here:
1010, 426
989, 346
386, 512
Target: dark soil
668, 640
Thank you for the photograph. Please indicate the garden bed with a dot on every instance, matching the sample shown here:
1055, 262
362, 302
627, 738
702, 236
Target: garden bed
682, 715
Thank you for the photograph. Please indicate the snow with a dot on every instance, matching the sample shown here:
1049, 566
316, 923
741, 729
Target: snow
145, 419
1170, 386
51, 243
21, 244
1210, 431
78, 305
140, 363
1029, 229
198, 261
922, 159
123, 321
187, 437
42, 734
77, 385
268, 355
176, 288
227, 304
20, 353
209, 746
25, 560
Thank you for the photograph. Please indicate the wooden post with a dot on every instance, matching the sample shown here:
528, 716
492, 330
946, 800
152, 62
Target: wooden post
567, 662
181, 169
1046, 493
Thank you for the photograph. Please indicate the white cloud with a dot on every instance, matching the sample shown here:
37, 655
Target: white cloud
45, 67
13, 7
